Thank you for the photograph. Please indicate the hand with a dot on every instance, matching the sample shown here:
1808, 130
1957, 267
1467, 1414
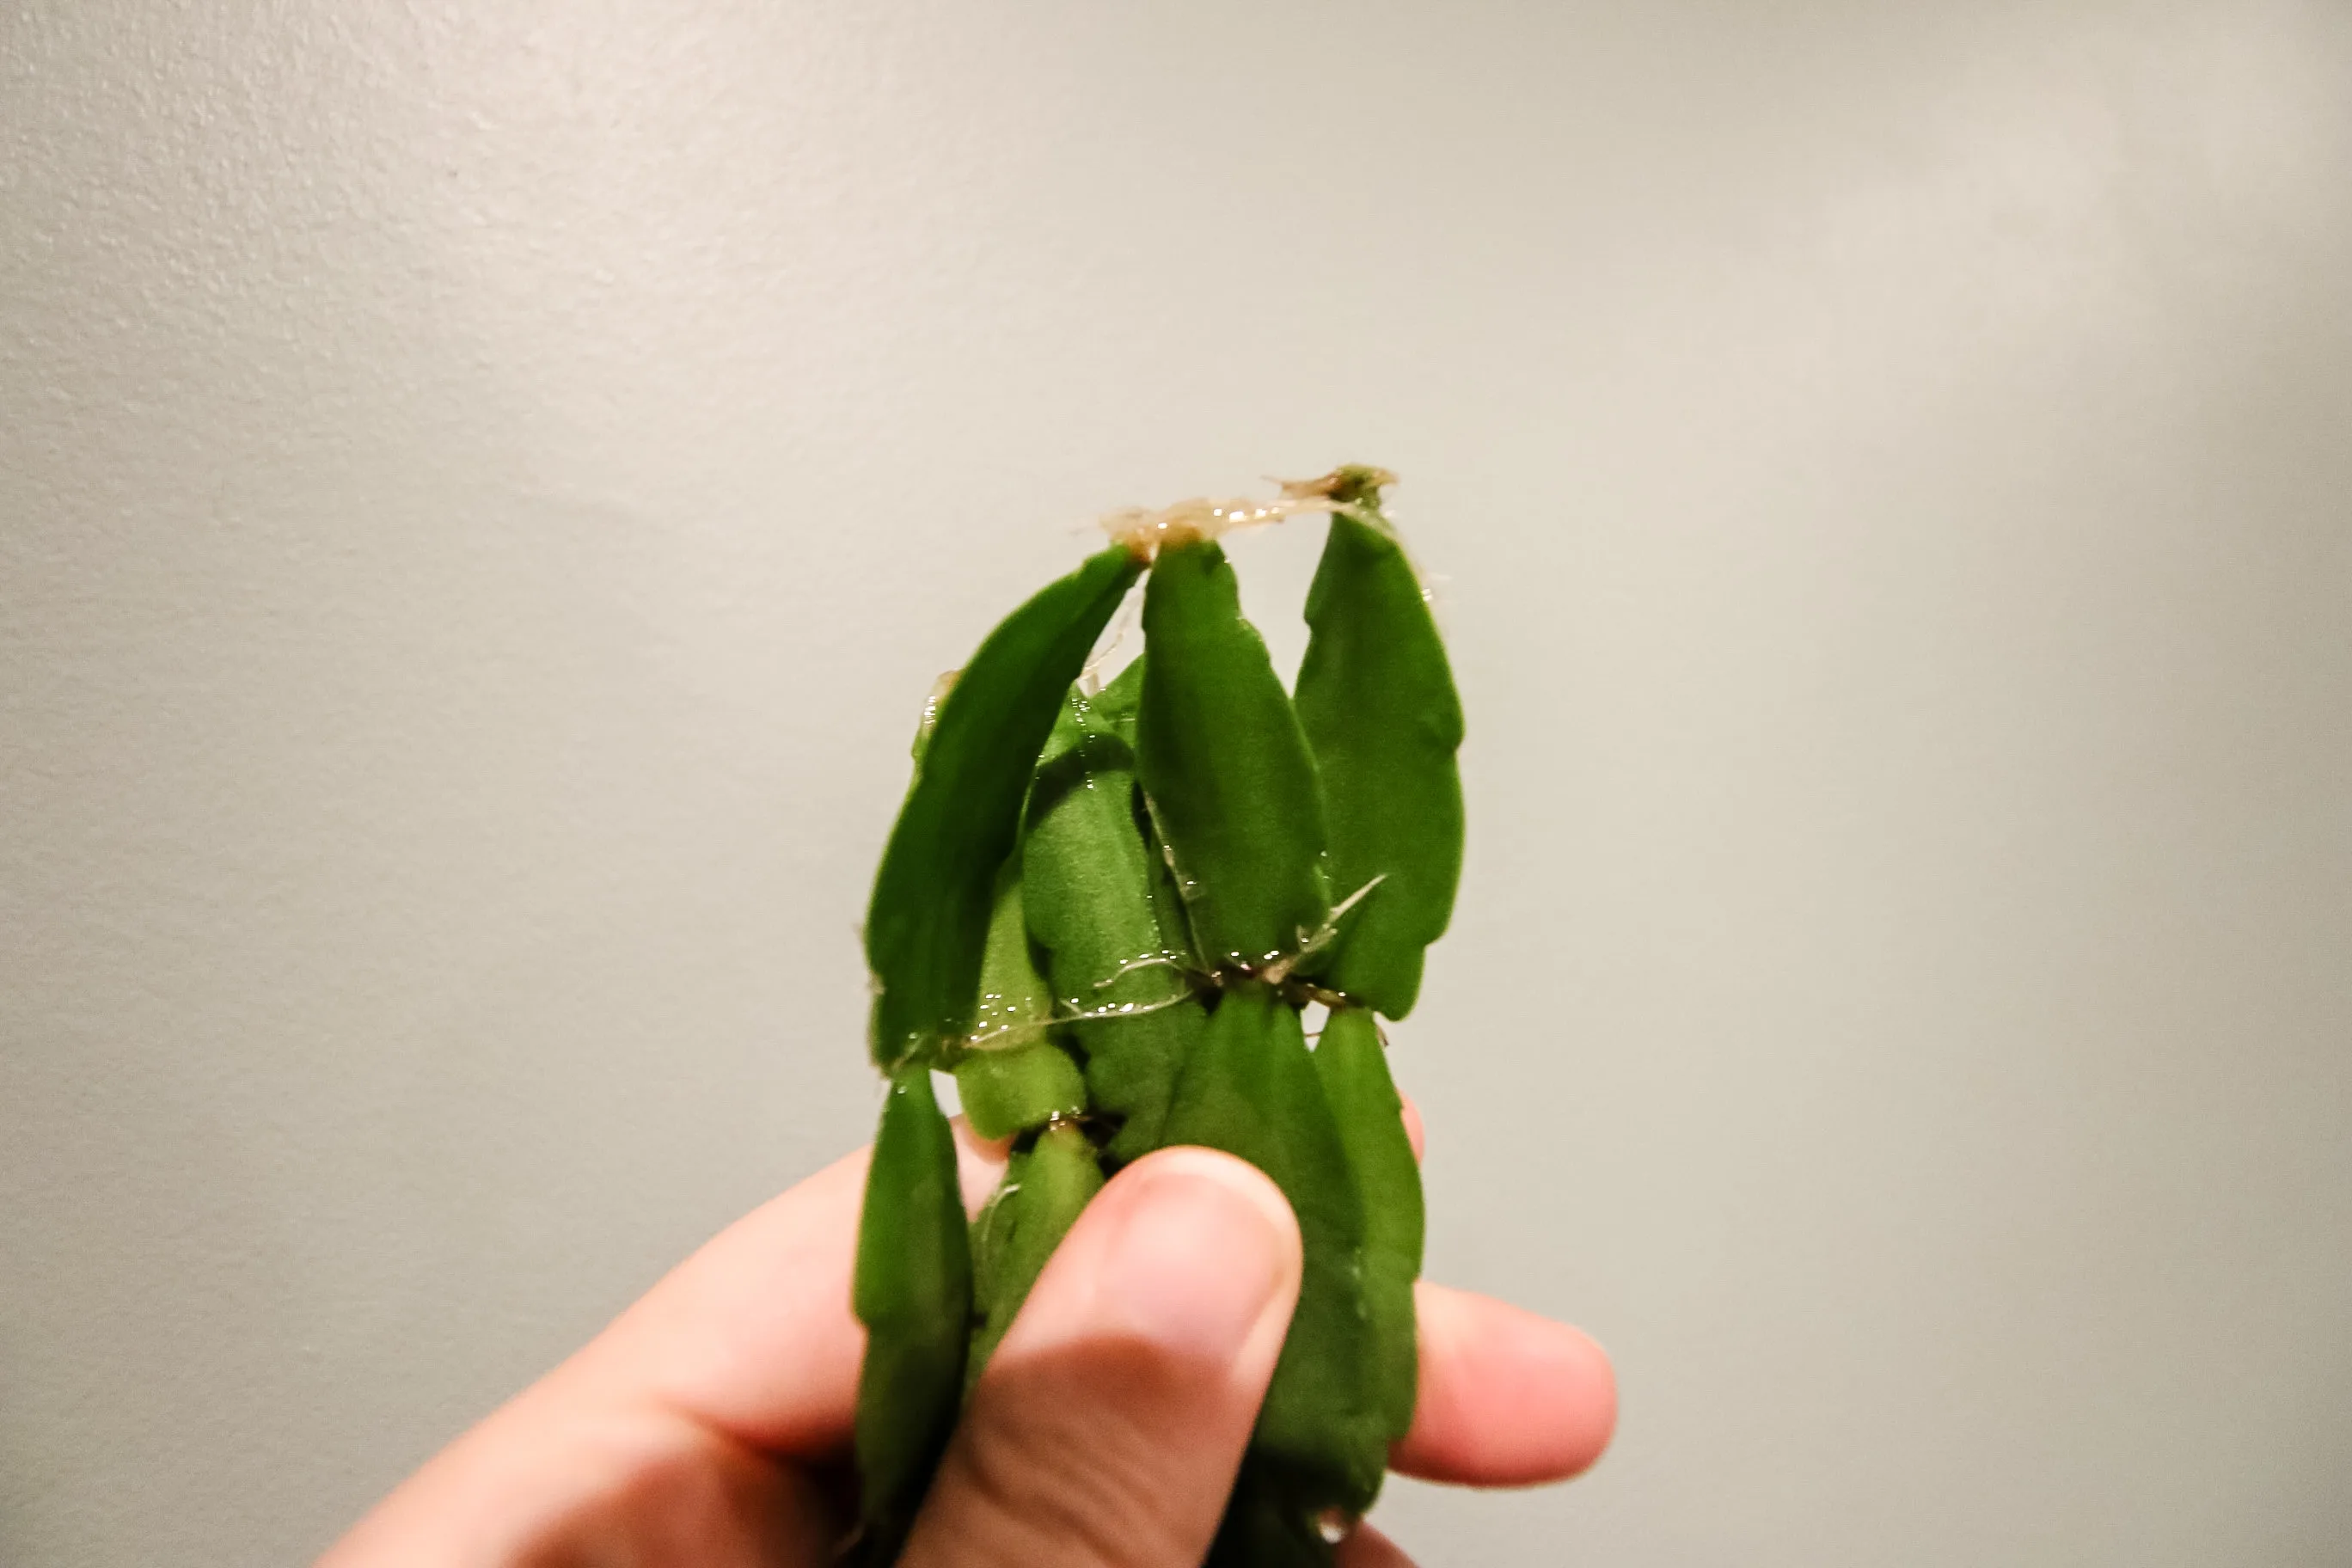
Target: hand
709, 1425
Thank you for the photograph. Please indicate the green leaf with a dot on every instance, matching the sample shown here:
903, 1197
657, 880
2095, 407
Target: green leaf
1044, 1187
928, 921
1111, 712
1251, 1090
1226, 769
912, 1290
1019, 1087
1011, 1072
1015, 1004
1094, 905
1352, 1062
1376, 701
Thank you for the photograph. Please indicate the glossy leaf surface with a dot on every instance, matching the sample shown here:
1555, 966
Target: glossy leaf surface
1044, 1187
1010, 1090
1089, 889
1376, 701
912, 1290
1251, 1090
1011, 1073
1016, 1006
928, 921
1226, 768
1353, 1065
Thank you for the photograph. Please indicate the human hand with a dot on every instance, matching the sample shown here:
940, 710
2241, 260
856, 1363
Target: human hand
709, 1424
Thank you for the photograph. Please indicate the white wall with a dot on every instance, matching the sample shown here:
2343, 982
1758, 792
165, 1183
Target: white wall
484, 490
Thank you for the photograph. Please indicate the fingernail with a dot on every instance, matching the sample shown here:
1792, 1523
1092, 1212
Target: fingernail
1200, 1257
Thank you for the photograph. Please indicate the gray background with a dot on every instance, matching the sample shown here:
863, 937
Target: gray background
484, 490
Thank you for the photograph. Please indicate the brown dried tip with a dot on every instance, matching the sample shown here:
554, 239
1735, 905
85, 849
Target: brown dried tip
1146, 533
1351, 484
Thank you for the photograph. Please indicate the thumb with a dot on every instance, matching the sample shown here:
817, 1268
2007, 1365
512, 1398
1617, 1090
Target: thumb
1108, 1426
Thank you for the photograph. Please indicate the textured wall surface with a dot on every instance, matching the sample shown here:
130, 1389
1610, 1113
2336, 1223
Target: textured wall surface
484, 489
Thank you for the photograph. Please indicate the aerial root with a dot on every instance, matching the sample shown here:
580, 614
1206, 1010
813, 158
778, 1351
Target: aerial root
1146, 533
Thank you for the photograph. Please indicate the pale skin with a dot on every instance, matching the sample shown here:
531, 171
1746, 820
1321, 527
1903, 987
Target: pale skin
709, 1424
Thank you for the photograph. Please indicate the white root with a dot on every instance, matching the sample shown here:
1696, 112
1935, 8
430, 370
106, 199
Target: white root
1145, 532
1156, 960
1279, 970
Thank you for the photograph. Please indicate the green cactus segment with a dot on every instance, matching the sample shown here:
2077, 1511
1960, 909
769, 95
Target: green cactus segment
1044, 1187
912, 1290
1353, 1065
1376, 701
1010, 1090
929, 919
1131, 1071
1111, 710
1251, 1090
1168, 907
1015, 1004
1226, 769
1011, 1074
1088, 881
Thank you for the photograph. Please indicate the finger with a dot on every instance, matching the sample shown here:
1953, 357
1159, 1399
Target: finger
1508, 1398
553, 1477
1107, 1427
980, 1163
1368, 1548
745, 1350
1415, 1133
752, 1335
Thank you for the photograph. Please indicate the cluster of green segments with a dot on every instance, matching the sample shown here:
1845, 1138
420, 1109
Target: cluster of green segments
1104, 913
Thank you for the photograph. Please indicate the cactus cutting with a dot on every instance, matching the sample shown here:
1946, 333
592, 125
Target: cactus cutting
1106, 909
